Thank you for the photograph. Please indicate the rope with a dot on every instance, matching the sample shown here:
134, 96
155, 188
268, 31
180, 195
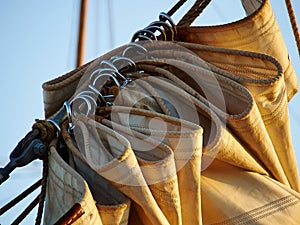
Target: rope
176, 7
21, 196
193, 13
42, 195
40, 199
28, 209
292, 17
46, 130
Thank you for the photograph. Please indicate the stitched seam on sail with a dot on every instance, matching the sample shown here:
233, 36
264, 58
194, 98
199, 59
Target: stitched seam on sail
261, 212
56, 178
270, 210
169, 200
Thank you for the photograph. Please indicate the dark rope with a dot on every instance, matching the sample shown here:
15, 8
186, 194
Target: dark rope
193, 13
293, 23
176, 7
42, 196
20, 197
28, 209
44, 131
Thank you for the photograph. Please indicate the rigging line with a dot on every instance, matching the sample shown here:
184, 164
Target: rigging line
176, 7
42, 195
293, 22
26, 211
20, 197
193, 13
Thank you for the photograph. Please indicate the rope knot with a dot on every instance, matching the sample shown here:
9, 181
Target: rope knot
46, 129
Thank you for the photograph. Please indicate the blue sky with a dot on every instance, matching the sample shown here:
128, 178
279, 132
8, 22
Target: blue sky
38, 43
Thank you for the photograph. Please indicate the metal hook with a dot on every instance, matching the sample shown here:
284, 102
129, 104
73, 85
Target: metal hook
91, 95
143, 32
87, 92
130, 62
103, 97
111, 65
109, 76
139, 49
92, 100
97, 71
142, 37
167, 27
86, 101
107, 70
96, 91
107, 64
159, 29
165, 17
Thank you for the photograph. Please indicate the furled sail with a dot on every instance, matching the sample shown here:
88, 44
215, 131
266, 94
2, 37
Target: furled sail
184, 125
191, 128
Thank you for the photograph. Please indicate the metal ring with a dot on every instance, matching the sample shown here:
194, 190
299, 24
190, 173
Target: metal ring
130, 62
111, 65
139, 49
107, 70
87, 102
145, 32
97, 92
112, 71
157, 28
94, 72
107, 75
167, 27
87, 92
142, 37
68, 110
165, 17
103, 97
92, 100
107, 64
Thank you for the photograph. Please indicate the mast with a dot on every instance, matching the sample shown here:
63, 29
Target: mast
81, 33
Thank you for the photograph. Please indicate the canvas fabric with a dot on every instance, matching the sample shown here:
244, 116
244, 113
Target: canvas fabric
241, 113
263, 77
252, 198
185, 141
113, 206
200, 134
66, 189
258, 32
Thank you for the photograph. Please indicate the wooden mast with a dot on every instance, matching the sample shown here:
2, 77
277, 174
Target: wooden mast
81, 33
